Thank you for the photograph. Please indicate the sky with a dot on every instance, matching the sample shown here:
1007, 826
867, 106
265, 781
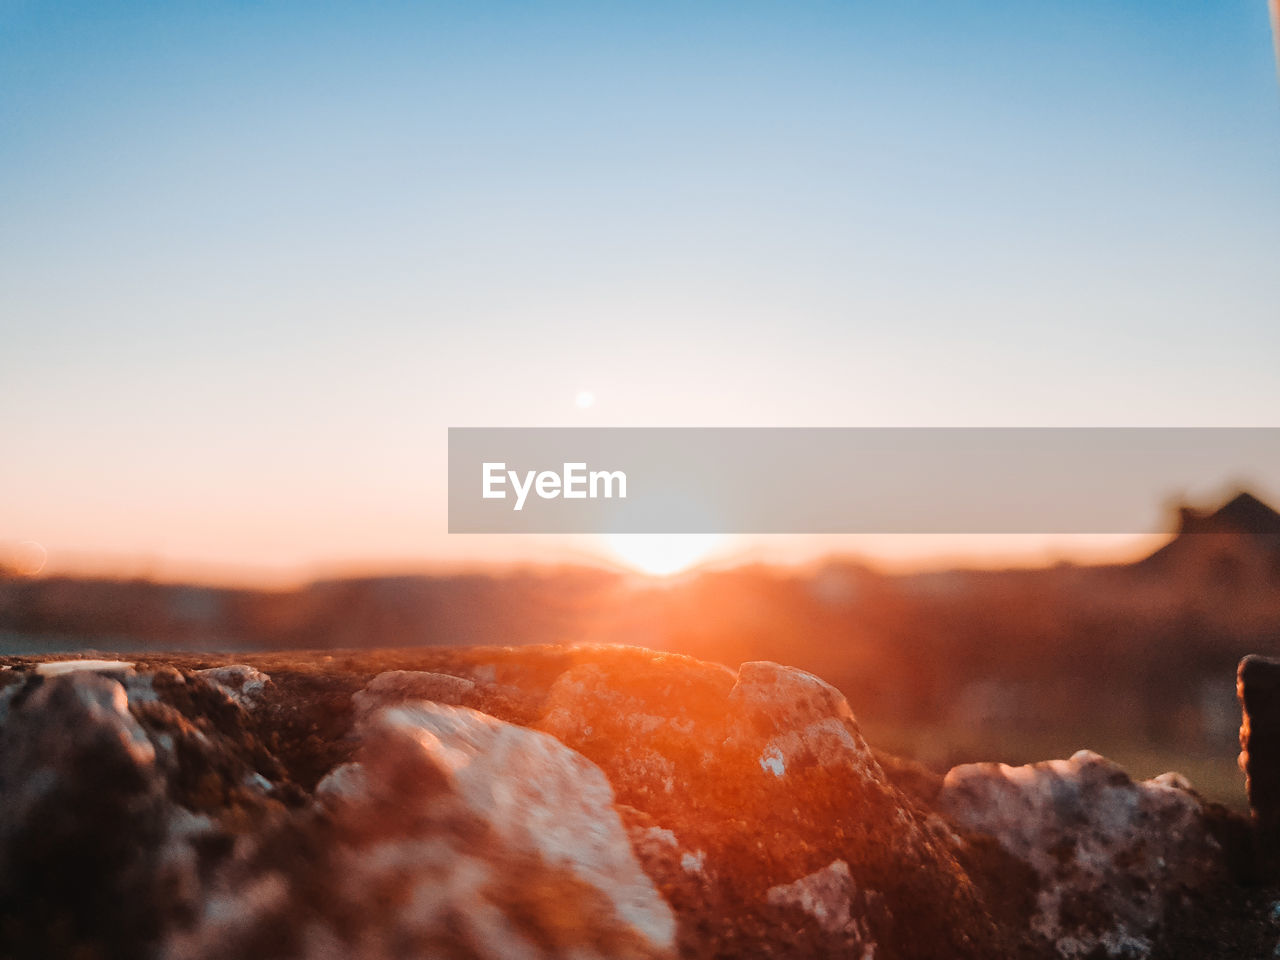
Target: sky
257, 257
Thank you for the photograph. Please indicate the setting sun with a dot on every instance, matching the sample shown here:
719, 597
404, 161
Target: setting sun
662, 554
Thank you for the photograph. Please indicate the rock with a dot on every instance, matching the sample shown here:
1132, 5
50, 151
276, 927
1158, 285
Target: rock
243, 683
912, 778
57, 668
827, 896
83, 823
653, 843
607, 803
7, 696
766, 781
1112, 858
1258, 688
535, 794
397, 686
118, 791
639, 712
452, 835
207, 747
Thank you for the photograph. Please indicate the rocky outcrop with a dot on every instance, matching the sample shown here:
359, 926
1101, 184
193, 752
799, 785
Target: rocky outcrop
451, 835
764, 780
82, 822
110, 801
1112, 858
597, 802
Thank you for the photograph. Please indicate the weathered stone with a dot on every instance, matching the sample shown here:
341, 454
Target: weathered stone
207, 749
244, 684
534, 793
398, 686
83, 819
1112, 857
118, 789
828, 895
452, 835
157, 811
765, 778
57, 668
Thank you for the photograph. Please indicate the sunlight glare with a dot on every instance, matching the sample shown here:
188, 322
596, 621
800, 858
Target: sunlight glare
662, 554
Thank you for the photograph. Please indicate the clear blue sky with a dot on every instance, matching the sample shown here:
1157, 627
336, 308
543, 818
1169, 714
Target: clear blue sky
258, 256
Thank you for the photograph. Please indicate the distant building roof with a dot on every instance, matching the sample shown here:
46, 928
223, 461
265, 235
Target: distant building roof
1243, 516
1244, 513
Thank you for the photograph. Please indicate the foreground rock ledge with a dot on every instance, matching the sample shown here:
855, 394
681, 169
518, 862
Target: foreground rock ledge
557, 802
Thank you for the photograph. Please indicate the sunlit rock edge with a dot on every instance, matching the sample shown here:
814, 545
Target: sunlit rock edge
601, 802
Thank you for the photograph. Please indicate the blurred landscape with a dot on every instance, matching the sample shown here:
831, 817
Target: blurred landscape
1135, 661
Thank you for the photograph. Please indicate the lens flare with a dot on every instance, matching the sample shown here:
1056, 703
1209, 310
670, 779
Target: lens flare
29, 558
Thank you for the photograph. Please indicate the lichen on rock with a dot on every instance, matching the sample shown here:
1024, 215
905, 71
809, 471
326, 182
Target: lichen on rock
765, 773
1112, 856
589, 803
451, 835
243, 683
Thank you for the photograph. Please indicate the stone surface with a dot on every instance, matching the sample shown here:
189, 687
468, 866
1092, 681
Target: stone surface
1112, 857
81, 822
583, 802
452, 835
242, 682
763, 777
56, 668
827, 895
534, 794
104, 789
397, 686
1258, 688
